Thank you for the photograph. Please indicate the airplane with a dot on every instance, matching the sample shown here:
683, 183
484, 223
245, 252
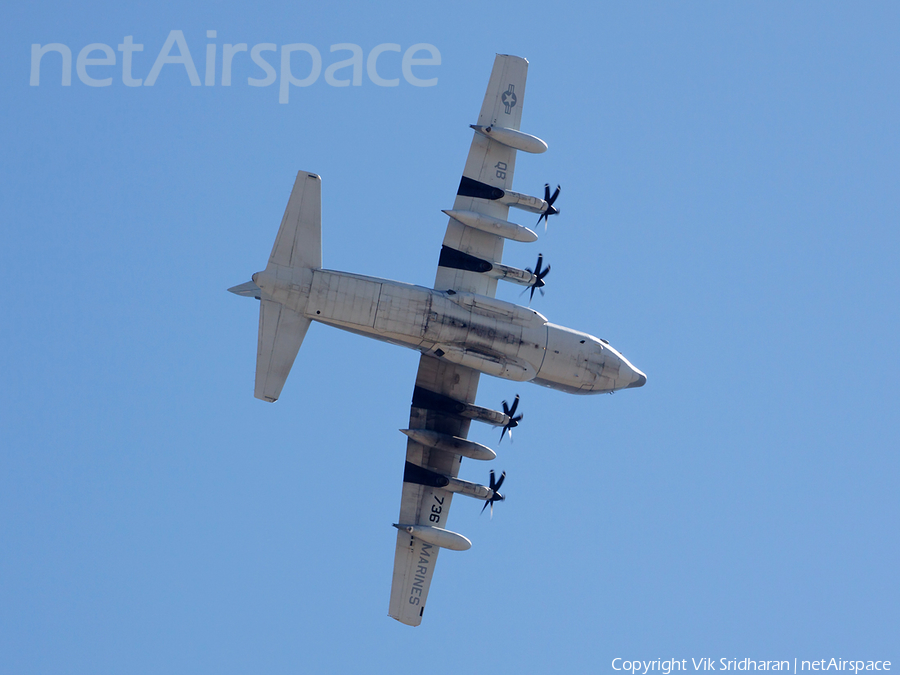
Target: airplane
458, 326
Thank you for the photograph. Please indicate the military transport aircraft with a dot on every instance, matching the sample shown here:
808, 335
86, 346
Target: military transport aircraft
458, 326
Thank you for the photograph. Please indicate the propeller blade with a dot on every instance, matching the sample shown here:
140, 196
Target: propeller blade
512, 411
555, 194
511, 421
496, 487
539, 275
550, 210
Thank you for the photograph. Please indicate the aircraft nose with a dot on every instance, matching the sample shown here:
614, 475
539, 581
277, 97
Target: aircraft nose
632, 376
639, 380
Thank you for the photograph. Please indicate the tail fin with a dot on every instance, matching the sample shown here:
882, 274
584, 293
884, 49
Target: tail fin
299, 240
298, 246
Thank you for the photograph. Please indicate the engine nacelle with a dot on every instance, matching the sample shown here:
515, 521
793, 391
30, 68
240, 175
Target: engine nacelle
454, 259
512, 138
469, 187
493, 417
524, 202
513, 274
437, 536
469, 489
430, 400
420, 475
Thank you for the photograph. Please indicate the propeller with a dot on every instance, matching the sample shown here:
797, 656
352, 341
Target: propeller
539, 275
496, 497
513, 421
550, 210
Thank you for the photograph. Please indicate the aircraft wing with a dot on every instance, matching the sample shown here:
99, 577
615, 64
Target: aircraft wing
414, 559
490, 163
440, 384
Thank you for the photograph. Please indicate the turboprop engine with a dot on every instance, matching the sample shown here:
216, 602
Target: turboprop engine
413, 473
454, 259
468, 187
430, 400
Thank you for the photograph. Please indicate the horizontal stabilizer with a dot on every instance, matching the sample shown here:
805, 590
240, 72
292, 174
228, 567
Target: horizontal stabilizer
281, 332
248, 290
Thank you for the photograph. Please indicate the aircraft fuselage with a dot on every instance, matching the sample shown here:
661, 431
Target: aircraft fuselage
489, 335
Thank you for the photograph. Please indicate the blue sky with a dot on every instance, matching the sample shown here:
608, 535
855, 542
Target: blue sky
729, 221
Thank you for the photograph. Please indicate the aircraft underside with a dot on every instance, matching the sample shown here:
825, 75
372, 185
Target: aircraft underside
458, 326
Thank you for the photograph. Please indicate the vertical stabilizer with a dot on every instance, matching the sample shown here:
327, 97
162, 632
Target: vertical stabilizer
299, 240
